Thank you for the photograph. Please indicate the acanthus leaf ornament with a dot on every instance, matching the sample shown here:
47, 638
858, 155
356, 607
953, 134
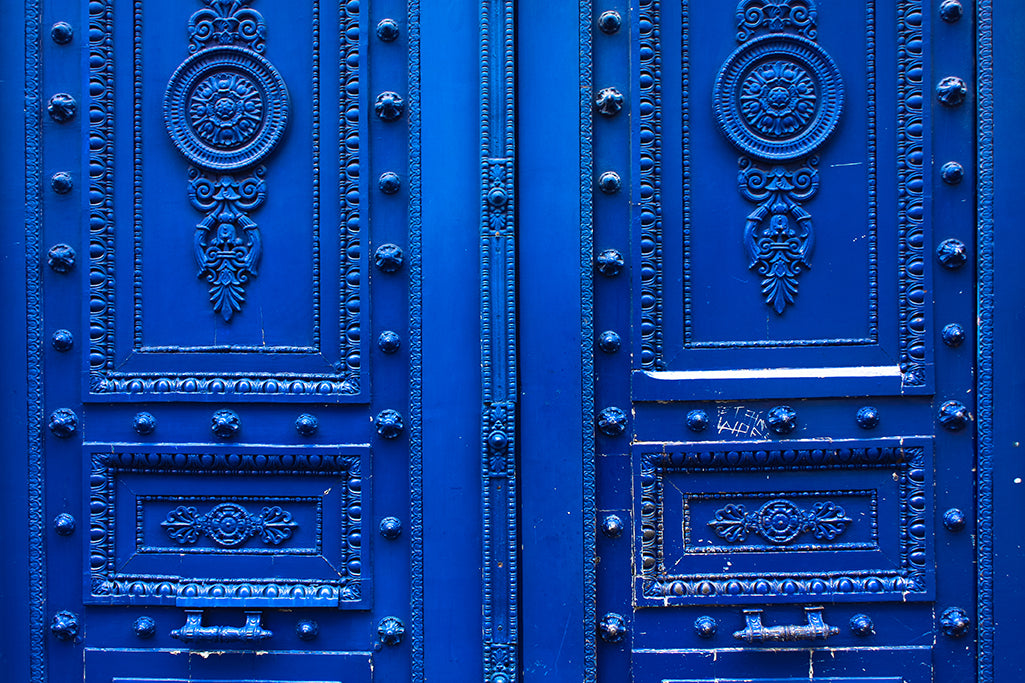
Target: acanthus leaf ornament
229, 525
780, 522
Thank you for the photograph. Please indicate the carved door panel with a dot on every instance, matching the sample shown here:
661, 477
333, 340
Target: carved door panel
221, 365
784, 412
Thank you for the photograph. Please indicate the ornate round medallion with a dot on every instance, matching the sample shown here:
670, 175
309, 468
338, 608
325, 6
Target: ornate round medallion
780, 521
228, 524
226, 108
778, 97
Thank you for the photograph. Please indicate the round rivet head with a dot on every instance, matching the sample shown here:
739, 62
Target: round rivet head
953, 335
954, 416
388, 258
225, 424
609, 341
307, 629
782, 420
144, 627
955, 622
389, 106
609, 22
952, 254
951, 10
61, 258
389, 342
62, 107
63, 340
389, 182
861, 625
64, 524
612, 421
705, 627
952, 173
612, 526
498, 441
61, 182
62, 33
951, 91
610, 262
391, 630
609, 182
497, 197
391, 528
306, 424
63, 422
608, 101
954, 519
612, 627
697, 420
65, 625
867, 417
144, 423
387, 30
389, 424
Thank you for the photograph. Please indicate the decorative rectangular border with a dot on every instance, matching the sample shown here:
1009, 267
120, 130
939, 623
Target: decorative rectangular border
654, 585
104, 585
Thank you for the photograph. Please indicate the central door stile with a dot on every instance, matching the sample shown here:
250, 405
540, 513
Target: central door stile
498, 342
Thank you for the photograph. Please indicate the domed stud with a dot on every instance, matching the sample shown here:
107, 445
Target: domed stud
612, 421
782, 420
61, 182
951, 91
867, 417
954, 416
609, 22
387, 30
705, 627
63, 340
608, 101
391, 528
62, 107
952, 173
612, 526
306, 424
64, 524
225, 424
144, 423
609, 341
954, 519
389, 106
955, 622
307, 630
389, 342
609, 182
953, 335
697, 420
389, 424
388, 258
951, 11
952, 254
144, 627
62, 33
65, 625
390, 630
389, 182
63, 423
610, 262
61, 258
612, 627
861, 625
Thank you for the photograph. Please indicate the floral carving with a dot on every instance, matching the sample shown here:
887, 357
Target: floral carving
229, 525
776, 15
780, 522
778, 98
226, 109
227, 22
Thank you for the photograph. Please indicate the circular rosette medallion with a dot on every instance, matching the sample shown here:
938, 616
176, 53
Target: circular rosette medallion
778, 97
226, 108
780, 521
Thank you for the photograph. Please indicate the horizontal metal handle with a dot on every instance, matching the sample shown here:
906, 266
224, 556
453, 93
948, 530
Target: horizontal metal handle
194, 632
756, 632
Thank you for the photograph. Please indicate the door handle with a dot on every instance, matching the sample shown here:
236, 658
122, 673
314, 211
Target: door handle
756, 632
194, 632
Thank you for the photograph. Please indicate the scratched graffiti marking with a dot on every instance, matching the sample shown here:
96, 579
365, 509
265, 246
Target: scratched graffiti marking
738, 421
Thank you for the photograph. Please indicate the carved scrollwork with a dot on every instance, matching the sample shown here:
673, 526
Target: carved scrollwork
229, 525
780, 522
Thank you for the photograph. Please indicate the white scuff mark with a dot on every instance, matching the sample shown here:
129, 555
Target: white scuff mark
853, 163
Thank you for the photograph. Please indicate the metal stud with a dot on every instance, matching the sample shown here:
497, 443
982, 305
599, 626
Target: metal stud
61, 182
391, 528
61, 258
144, 627
389, 342
389, 424
63, 423
144, 423
389, 182
390, 630
952, 253
64, 524
387, 30
306, 424
955, 622
62, 107
705, 627
389, 106
868, 417
65, 625
953, 335
952, 173
861, 625
609, 22
697, 420
609, 341
954, 416
307, 629
782, 420
62, 33
951, 91
612, 526
609, 182
612, 627
225, 424
954, 519
388, 258
610, 262
612, 421
63, 340
951, 10
608, 102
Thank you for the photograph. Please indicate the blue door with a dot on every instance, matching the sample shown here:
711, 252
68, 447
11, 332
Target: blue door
512, 341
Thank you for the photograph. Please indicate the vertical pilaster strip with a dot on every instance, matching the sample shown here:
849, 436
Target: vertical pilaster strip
498, 341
